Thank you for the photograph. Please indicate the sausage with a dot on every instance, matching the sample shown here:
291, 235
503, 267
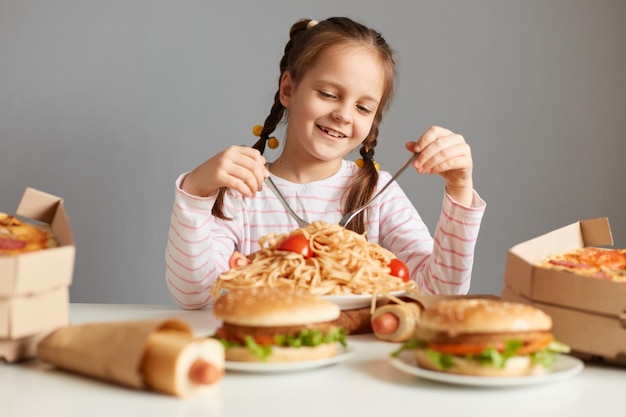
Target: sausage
158, 354
204, 373
179, 364
396, 322
237, 259
385, 323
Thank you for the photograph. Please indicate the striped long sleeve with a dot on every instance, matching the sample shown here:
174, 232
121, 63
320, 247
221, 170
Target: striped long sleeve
199, 245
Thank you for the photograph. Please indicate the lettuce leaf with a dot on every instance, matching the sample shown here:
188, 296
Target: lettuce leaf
260, 351
546, 357
305, 337
311, 338
490, 356
410, 344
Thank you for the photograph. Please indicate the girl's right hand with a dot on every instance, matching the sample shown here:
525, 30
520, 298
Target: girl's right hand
240, 168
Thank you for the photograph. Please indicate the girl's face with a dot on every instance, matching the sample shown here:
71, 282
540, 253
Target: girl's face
331, 109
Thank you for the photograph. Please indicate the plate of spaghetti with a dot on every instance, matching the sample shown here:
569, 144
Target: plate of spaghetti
322, 259
350, 302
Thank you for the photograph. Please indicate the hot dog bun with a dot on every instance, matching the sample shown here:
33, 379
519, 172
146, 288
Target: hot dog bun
160, 354
396, 322
178, 364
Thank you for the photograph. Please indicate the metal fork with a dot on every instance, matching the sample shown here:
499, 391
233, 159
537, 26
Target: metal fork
350, 215
301, 222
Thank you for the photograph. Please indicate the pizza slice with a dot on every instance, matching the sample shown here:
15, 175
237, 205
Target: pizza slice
18, 237
593, 262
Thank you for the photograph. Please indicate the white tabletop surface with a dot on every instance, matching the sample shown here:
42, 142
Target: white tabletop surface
364, 385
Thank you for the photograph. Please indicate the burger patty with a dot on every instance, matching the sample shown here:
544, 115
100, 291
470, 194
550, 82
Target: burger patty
235, 333
526, 337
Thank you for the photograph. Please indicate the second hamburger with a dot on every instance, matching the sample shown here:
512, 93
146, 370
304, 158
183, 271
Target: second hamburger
484, 337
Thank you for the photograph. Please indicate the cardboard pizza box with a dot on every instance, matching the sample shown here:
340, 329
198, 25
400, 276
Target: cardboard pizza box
589, 314
44, 270
34, 286
29, 315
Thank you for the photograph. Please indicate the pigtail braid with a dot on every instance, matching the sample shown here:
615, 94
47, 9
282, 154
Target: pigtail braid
273, 119
277, 112
364, 184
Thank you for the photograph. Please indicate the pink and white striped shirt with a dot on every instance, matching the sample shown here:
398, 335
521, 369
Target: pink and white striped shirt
199, 245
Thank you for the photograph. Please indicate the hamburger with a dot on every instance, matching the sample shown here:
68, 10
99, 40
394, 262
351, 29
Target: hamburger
484, 337
277, 325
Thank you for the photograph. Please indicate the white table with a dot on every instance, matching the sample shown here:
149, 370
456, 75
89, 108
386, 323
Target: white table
364, 385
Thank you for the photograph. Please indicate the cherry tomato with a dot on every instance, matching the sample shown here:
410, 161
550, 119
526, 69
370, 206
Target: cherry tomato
399, 269
297, 243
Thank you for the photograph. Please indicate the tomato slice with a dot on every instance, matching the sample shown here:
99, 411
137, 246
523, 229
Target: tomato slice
538, 344
399, 269
464, 348
297, 243
264, 340
477, 348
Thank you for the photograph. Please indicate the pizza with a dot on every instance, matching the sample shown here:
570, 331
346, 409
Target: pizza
593, 262
18, 237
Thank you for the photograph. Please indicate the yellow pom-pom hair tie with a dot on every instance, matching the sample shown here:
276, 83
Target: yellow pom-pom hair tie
257, 129
311, 24
272, 142
360, 163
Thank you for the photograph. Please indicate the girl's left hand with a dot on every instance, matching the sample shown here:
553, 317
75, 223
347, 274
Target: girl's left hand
446, 153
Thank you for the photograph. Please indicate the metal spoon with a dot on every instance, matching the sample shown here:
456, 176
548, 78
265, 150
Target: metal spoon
350, 215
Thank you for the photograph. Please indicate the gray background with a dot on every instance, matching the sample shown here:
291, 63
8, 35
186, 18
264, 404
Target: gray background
106, 102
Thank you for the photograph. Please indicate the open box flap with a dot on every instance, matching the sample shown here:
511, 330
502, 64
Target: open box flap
38, 205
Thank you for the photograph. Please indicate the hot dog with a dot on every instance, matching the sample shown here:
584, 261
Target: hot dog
174, 363
160, 355
396, 322
237, 259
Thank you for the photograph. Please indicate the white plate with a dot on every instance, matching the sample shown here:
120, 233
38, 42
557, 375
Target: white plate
349, 302
269, 367
564, 367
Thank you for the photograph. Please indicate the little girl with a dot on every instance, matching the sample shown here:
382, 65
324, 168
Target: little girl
336, 80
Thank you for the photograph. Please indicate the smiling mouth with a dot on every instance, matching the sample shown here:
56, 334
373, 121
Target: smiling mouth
331, 132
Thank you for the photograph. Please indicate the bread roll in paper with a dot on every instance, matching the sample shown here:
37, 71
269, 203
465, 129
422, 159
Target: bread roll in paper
407, 315
177, 364
160, 355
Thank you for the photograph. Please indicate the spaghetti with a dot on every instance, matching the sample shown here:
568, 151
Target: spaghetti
341, 262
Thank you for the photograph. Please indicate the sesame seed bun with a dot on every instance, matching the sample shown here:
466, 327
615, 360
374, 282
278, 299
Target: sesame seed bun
462, 316
268, 307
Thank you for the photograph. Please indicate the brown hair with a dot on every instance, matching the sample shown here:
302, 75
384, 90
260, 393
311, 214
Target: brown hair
304, 45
